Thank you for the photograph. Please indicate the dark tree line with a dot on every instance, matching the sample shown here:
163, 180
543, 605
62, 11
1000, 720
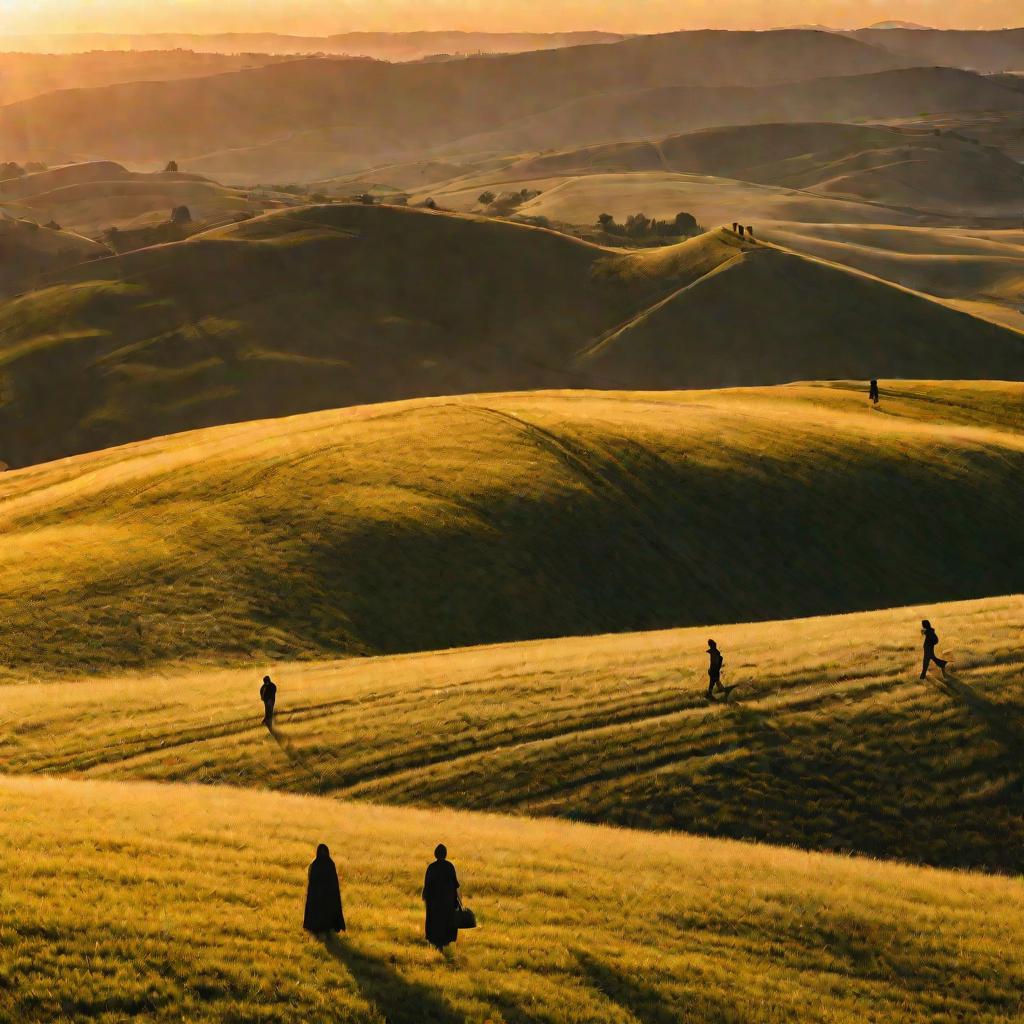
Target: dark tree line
639, 225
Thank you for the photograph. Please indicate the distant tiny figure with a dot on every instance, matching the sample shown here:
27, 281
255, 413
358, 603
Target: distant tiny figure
715, 662
873, 391
735, 227
931, 640
741, 230
750, 230
323, 896
268, 694
441, 896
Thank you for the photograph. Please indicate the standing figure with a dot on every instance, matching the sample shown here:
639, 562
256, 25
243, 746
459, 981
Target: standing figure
715, 662
931, 640
441, 896
873, 391
268, 694
323, 896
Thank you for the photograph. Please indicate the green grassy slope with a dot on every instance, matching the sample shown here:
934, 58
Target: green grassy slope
437, 523
830, 741
783, 301
337, 305
29, 250
163, 903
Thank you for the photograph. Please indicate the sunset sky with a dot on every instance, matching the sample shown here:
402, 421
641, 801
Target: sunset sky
326, 16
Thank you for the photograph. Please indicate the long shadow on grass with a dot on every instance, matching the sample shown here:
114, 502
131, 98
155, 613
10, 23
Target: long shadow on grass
288, 749
647, 1004
399, 1000
996, 718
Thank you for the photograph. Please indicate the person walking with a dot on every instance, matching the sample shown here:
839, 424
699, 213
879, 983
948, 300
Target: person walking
268, 694
323, 896
441, 897
931, 640
873, 391
715, 662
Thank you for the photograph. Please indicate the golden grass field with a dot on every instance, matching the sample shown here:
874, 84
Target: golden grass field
830, 741
432, 524
161, 903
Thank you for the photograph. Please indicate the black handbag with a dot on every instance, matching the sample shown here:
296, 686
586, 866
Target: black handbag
464, 917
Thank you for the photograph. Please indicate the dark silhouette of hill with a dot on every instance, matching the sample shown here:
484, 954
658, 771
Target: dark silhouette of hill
349, 304
426, 103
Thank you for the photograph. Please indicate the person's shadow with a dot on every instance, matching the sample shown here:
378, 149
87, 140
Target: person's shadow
399, 1000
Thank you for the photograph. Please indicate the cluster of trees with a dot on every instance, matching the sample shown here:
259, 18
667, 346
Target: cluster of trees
639, 225
11, 170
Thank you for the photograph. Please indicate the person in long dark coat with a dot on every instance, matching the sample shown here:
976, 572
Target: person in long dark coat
873, 391
268, 694
441, 896
715, 661
931, 640
323, 896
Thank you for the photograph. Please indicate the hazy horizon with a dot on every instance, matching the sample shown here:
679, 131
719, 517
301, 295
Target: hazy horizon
320, 17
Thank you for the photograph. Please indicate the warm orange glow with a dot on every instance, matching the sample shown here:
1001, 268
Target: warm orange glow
327, 16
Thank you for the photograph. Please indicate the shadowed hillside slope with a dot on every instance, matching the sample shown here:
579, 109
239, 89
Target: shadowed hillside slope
828, 742
981, 50
28, 250
432, 524
426, 103
186, 903
342, 305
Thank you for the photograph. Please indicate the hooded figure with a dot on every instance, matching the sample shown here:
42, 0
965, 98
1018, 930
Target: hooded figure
268, 694
873, 391
323, 896
441, 896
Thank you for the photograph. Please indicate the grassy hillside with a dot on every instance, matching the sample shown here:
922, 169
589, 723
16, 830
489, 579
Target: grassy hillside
979, 271
443, 523
830, 741
159, 903
29, 250
888, 166
93, 196
784, 300
986, 51
338, 305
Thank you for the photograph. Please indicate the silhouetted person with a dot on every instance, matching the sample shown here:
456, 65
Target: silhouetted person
441, 896
323, 896
735, 227
268, 694
741, 230
750, 230
873, 391
715, 661
931, 640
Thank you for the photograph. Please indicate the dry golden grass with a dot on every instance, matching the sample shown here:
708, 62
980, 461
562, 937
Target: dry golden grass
161, 903
830, 742
434, 524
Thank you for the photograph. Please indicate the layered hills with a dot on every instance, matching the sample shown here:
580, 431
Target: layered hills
423, 104
29, 250
345, 304
442, 523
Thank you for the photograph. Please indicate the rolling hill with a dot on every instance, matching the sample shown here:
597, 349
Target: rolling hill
981, 272
830, 742
93, 196
425, 104
187, 902
347, 304
29, 250
884, 166
443, 523
984, 51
